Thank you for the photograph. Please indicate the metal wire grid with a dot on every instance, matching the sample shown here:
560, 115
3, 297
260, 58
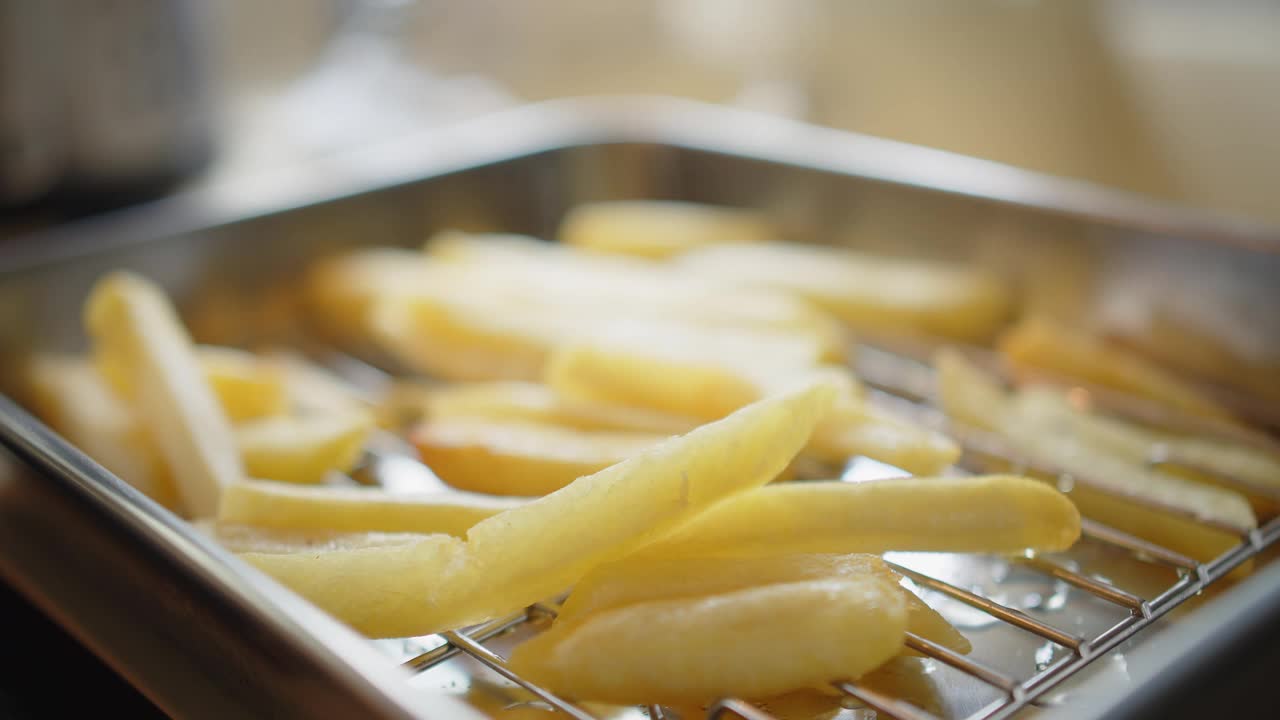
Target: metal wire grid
893, 383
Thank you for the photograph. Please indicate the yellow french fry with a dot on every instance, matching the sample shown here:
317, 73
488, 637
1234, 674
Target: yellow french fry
998, 513
522, 459
967, 394
71, 396
304, 448
863, 429
436, 582
1107, 487
340, 291
696, 375
247, 386
537, 403
689, 371
353, 510
241, 539
658, 229
875, 293
541, 548
383, 585
148, 357
1038, 343
638, 579
460, 338
604, 288
751, 642
310, 388
1141, 445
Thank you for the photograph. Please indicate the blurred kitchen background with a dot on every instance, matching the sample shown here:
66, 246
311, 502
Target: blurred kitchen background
1172, 98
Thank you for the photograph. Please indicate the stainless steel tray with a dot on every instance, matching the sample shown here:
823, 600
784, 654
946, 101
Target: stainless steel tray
205, 636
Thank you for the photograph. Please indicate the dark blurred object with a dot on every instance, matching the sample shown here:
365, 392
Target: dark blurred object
38, 658
101, 103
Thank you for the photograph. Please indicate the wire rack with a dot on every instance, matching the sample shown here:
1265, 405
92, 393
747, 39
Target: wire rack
902, 384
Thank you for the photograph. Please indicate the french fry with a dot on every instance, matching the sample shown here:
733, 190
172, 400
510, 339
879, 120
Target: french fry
658, 229
700, 377
524, 270
462, 339
685, 371
354, 510
247, 386
522, 459
1038, 343
146, 354
998, 513
276, 541
436, 582
638, 579
309, 388
1141, 445
541, 548
752, 642
536, 403
340, 291
862, 429
383, 585
1107, 487
865, 291
70, 395
305, 448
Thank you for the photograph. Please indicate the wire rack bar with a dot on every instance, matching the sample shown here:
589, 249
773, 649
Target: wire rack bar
494, 662
1140, 548
963, 663
882, 703
1104, 590
995, 609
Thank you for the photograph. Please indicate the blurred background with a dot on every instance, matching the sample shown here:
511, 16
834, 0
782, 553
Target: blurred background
1172, 98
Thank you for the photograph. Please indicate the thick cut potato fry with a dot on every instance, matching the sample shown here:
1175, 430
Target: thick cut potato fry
520, 459
247, 386
523, 459
1039, 343
1140, 445
639, 579
506, 333
276, 541
700, 378
862, 429
685, 371
310, 388
537, 550
298, 508
875, 293
524, 270
340, 291
658, 229
752, 642
966, 393
70, 395
523, 555
536, 403
460, 339
382, 585
147, 355
1107, 487
998, 513
303, 449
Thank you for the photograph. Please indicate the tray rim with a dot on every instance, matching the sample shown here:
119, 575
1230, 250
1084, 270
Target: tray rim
665, 121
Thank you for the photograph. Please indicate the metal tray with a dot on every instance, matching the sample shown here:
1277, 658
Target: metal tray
205, 636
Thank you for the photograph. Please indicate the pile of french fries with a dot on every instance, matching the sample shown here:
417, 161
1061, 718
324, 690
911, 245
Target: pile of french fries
611, 414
